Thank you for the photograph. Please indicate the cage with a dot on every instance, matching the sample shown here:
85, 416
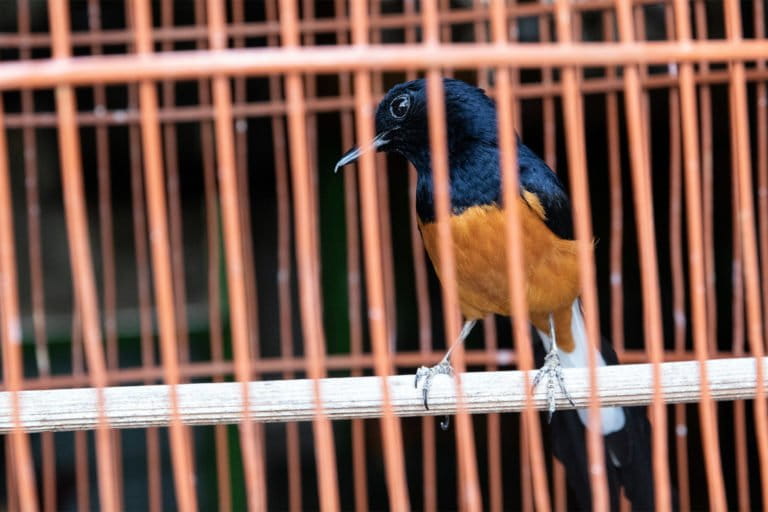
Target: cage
198, 313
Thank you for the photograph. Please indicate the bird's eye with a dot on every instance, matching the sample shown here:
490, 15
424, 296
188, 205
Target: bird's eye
399, 106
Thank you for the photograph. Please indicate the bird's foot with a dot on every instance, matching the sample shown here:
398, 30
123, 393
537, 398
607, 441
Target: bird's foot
442, 368
553, 371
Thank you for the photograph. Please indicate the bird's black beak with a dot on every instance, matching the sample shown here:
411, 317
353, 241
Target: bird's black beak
354, 153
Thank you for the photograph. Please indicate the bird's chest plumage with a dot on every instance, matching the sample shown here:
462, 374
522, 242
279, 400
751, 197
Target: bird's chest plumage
479, 246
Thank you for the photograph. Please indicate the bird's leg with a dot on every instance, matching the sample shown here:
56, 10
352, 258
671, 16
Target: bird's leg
444, 366
553, 370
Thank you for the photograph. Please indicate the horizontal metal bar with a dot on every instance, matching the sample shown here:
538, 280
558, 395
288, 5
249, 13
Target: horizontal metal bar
306, 26
360, 397
324, 59
334, 362
182, 114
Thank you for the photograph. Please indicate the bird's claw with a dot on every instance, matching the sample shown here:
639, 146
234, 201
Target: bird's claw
443, 367
553, 370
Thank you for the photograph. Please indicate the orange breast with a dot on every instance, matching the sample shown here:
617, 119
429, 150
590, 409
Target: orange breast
479, 244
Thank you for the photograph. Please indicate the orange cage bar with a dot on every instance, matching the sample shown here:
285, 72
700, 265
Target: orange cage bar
170, 229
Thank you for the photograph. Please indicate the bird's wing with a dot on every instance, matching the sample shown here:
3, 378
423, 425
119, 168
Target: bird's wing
540, 182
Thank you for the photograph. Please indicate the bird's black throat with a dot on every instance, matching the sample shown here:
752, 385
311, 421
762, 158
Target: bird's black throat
474, 179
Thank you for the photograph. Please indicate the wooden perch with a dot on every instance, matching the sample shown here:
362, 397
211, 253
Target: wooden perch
360, 397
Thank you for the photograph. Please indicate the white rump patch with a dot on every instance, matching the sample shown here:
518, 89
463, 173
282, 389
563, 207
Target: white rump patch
612, 417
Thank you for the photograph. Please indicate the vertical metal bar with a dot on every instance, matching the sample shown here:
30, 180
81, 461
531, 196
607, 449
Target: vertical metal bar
512, 30
80, 252
13, 366
360, 473
154, 462
526, 479
308, 271
681, 451
500, 28
253, 456
617, 202
107, 240
154, 472
105, 212
481, 35
162, 262
10, 476
679, 315
382, 189
550, 156
761, 114
678, 279
707, 172
740, 129
311, 141
241, 165
515, 273
82, 472
284, 283
640, 165
360, 476
213, 232
33, 214
284, 275
48, 449
428, 452
223, 487
390, 426
558, 477
639, 35
740, 443
737, 329
444, 6
737, 337
577, 165
696, 262
241, 146
176, 230
310, 90
354, 278
468, 483
37, 287
548, 102
493, 429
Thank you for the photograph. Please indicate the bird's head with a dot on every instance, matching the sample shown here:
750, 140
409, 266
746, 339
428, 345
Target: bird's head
401, 122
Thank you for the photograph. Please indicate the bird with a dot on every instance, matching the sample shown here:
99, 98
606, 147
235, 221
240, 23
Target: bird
477, 222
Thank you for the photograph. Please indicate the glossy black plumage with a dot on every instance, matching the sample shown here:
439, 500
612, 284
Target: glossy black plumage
537, 177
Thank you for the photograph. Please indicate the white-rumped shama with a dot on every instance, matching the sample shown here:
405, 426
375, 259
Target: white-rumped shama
550, 263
